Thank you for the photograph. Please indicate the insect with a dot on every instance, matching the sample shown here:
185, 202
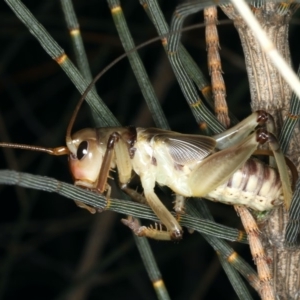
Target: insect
217, 168
178, 161
123, 136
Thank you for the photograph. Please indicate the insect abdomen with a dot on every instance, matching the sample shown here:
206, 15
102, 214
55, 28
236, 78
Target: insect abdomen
255, 185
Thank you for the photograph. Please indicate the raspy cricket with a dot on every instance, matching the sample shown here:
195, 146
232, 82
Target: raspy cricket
188, 164
218, 168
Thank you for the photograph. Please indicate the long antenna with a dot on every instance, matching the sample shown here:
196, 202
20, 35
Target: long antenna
115, 61
65, 150
99, 75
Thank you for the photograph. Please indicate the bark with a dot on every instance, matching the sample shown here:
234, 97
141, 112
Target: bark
271, 93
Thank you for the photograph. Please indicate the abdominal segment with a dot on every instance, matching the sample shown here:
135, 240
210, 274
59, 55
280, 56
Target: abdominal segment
255, 185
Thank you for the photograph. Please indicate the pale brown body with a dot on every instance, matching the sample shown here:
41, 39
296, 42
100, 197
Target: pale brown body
255, 184
190, 165
218, 168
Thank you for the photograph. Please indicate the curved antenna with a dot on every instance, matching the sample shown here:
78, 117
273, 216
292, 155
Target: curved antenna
69, 141
70, 148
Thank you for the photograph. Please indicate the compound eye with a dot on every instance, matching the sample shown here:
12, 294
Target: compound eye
82, 150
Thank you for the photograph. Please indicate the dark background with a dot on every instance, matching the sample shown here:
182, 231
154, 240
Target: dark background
43, 237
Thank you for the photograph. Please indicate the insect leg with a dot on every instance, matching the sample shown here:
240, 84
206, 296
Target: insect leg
122, 154
155, 233
241, 130
179, 204
282, 168
174, 231
101, 184
124, 167
136, 196
123, 162
106, 164
220, 166
173, 227
179, 208
143, 231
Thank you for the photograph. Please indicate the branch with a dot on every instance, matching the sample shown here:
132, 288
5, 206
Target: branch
100, 202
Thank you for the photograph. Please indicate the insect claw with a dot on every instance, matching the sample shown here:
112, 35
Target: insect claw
91, 209
155, 233
176, 234
134, 225
100, 209
262, 117
179, 211
139, 230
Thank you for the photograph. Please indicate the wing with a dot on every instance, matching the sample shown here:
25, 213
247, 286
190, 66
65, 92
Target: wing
183, 148
189, 148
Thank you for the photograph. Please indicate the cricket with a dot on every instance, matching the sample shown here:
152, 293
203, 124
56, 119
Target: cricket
218, 168
225, 167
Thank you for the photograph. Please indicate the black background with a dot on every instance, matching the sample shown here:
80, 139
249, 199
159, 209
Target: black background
43, 236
